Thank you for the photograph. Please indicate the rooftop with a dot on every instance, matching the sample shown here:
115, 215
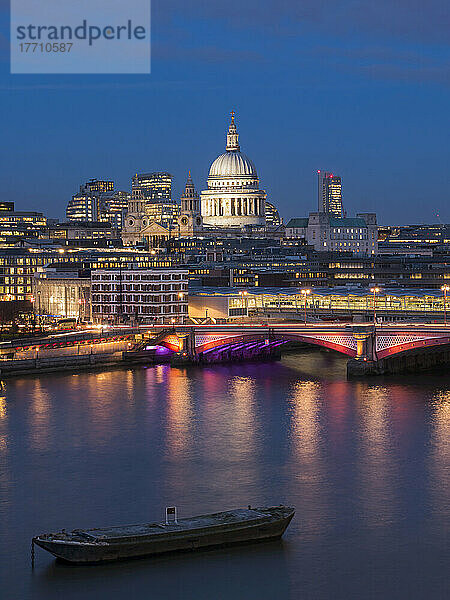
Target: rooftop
347, 222
335, 291
303, 222
334, 222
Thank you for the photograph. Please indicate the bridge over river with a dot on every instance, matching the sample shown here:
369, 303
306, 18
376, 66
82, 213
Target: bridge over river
370, 349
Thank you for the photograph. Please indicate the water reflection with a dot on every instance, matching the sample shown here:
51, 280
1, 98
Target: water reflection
257, 571
440, 457
5, 471
229, 420
377, 470
363, 463
180, 418
308, 468
179, 440
160, 372
3, 406
39, 417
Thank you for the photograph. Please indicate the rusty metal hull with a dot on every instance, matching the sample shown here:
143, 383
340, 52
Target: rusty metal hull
87, 546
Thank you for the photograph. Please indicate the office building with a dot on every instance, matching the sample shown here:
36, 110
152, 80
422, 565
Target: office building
16, 226
326, 233
153, 187
83, 206
77, 231
60, 293
142, 295
18, 265
329, 194
112, 207
97, 186
97, 201
273, 218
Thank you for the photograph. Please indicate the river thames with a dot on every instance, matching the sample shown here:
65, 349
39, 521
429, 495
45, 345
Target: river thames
366, 464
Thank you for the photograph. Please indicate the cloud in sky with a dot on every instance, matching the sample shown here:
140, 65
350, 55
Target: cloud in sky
406, 40
204, 53
387, 62
415, 20
381, 39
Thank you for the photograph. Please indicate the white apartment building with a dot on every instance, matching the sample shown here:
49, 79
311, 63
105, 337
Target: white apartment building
139, 295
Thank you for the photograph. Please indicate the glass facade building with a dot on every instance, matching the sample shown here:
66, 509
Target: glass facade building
273, 218
153, 187
329, 194
98, 202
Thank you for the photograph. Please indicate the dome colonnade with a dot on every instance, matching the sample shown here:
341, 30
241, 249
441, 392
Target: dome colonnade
233, 197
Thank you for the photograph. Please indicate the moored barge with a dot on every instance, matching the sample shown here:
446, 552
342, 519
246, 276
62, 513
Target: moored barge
84, 546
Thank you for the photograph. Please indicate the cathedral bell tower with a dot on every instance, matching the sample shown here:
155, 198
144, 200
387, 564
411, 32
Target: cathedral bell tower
190, 221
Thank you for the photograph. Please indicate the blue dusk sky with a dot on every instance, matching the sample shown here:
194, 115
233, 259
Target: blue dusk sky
360, 88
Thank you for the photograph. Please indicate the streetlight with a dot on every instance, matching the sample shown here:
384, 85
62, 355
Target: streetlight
375, 291
39, 308
305, 293
81, 310
243, 295
32, 300
445, 289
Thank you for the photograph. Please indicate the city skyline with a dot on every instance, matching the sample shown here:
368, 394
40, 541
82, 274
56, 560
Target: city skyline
366, 105
224, 299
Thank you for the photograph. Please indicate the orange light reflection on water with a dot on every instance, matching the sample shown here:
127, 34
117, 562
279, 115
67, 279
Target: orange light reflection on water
179, 415
307, 461
377, 472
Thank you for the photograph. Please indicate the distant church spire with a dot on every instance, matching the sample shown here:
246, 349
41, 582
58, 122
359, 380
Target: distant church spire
190, 197
232, 136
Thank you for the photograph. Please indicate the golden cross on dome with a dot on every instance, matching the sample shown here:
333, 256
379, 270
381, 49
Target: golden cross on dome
232, 113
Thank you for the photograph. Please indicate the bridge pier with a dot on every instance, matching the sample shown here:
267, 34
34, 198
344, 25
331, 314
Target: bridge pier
188, 347
358, 368
411, 362
365, 362
422, 356
187, 354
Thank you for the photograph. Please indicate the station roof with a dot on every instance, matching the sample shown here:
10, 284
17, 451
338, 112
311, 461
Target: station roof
293, 291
